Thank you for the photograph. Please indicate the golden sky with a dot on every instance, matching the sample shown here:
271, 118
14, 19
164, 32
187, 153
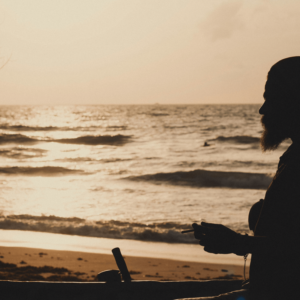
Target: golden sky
142, 51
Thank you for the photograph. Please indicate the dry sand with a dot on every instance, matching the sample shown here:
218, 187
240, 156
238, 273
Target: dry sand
82, 266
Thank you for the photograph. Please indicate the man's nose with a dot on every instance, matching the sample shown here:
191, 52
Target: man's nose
262, 110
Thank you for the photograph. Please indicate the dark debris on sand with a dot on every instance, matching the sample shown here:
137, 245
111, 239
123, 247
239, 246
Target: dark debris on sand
29, 273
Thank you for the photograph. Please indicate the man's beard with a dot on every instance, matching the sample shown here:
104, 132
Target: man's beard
273, 134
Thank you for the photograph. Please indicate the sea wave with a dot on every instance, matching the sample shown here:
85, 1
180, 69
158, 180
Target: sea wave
158, 114
22, 153
169, 232
17, 139
227, 164
40, 171
238, 139
96, 140
204, 178
55, 128
88, 159
29, 128
82, 140
116, 127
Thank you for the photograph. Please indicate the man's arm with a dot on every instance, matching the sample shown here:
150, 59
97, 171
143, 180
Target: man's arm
219, 239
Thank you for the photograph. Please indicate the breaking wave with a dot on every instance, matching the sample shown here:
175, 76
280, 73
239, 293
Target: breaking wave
83, 140
204, 178
169, 232
40, 171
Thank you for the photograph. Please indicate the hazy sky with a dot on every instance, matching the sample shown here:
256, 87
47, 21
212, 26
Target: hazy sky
142, 51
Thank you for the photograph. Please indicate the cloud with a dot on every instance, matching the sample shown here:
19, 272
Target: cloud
223, 21
262, 6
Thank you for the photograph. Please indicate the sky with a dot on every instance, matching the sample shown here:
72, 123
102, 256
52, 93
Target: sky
142, 51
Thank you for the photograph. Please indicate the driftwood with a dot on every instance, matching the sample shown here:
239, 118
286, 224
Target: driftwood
139, 290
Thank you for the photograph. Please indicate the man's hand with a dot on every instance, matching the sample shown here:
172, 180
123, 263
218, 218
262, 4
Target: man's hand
219, 239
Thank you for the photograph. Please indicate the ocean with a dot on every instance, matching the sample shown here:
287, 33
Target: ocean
131, 172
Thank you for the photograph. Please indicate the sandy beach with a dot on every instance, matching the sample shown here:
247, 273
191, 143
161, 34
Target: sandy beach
33, 264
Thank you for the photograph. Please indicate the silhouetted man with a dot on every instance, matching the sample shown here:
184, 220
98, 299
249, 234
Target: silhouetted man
275, 246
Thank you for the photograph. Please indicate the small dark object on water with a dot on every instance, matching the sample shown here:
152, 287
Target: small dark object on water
206, 144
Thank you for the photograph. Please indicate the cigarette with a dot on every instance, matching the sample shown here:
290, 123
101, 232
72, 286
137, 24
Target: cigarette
186, 231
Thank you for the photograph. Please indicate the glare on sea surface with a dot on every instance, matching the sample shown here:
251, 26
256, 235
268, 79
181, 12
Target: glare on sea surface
51, 195
164, 140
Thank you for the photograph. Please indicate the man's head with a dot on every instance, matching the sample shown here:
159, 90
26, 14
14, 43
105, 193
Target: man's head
281, 109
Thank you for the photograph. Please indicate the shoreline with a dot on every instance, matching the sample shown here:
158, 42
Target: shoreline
84, 257
84, 266
135, 248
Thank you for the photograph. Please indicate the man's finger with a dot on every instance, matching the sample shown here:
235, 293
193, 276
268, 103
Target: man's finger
198, 235
211, 225
195, 225
199, 228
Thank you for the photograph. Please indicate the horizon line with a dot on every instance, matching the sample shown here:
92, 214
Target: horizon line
147, 104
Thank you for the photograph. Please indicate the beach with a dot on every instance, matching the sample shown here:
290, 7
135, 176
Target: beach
84, 257
83, 266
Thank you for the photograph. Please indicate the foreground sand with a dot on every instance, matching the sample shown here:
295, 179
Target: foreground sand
82, 266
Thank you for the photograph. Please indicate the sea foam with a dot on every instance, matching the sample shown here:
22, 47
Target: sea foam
169, 232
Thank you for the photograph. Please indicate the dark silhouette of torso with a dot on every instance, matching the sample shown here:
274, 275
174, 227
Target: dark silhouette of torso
277, 270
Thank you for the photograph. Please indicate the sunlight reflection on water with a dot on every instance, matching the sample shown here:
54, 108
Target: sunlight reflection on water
101, 178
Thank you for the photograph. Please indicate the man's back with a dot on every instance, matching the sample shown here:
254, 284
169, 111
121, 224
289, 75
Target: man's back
277, 269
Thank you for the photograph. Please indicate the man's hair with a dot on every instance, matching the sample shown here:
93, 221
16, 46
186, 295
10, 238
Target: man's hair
286, 74
283, 89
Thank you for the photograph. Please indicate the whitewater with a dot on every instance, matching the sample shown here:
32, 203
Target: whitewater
131, 172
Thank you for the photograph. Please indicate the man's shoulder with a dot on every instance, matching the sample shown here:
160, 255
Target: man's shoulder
291, 156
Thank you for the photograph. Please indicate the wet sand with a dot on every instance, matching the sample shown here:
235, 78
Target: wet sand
31, 264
